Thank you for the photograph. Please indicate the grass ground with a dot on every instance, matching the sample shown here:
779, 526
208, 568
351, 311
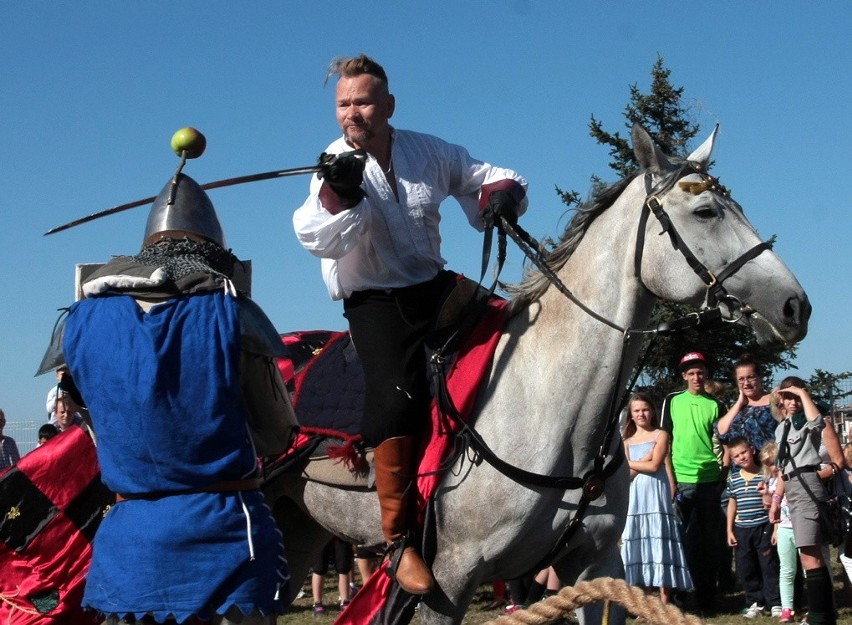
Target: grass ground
728, 612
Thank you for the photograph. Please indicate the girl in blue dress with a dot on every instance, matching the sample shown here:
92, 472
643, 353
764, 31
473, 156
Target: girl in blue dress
651, 545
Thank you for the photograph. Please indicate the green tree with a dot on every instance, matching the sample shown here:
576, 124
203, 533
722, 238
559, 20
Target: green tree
825, 387
664, 114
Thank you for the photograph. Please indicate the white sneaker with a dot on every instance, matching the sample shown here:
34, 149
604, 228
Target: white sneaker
753, 611
776, 611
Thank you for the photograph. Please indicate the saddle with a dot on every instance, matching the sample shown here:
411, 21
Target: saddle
327, 390
326, 381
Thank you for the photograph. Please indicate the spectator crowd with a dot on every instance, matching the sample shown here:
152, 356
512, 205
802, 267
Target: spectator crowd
722, 498
756, 488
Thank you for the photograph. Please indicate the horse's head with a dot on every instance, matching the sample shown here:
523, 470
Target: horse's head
709, 251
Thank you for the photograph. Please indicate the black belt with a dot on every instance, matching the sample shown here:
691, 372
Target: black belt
226, 486
811, 468
442, 278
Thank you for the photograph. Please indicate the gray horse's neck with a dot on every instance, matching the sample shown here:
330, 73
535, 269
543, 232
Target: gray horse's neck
560, 367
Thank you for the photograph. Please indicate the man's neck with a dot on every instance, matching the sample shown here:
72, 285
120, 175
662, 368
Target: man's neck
378, 147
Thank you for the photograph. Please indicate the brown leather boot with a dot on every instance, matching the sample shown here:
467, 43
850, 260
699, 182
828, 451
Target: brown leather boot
394, 459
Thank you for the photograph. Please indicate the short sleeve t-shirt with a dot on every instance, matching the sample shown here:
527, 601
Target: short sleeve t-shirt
692, 418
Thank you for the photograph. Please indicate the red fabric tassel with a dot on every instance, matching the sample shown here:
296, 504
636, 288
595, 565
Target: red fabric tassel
348, 454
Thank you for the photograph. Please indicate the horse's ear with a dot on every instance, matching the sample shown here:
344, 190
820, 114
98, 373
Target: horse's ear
648, 155
702, 154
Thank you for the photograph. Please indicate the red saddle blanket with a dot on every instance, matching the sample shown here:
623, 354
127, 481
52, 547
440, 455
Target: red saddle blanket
323, 405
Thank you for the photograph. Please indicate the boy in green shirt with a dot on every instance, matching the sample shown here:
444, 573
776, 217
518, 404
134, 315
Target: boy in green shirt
689, 416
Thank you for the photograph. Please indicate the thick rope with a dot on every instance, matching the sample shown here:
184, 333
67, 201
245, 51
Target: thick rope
632, 598
14, 606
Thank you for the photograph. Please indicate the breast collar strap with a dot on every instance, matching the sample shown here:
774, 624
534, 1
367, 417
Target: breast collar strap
716, 292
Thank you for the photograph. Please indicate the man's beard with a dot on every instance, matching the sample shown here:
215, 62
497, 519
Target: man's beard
358, 134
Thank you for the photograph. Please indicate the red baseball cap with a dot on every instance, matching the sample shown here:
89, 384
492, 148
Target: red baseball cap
691, 358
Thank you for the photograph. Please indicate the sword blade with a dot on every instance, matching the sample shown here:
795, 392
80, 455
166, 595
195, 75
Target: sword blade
228, 182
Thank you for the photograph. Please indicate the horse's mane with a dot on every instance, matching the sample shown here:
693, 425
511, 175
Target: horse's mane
534, 283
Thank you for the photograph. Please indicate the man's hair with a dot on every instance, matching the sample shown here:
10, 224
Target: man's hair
349, 67
65, 400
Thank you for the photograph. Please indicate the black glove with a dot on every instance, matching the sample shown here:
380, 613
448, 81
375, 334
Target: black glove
503, 204
344, 173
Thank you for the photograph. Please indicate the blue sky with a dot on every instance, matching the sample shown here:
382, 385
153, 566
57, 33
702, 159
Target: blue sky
91, 92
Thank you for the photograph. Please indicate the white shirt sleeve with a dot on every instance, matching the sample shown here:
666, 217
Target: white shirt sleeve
323, 234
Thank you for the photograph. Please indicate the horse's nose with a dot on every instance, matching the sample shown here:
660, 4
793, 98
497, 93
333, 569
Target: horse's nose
797, 311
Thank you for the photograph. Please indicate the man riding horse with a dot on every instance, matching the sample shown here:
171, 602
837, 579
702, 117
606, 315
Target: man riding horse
372, 216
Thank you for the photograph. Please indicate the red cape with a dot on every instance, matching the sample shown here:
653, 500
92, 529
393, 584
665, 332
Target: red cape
52, 502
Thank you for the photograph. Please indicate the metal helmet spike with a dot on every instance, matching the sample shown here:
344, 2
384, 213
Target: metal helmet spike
183, 206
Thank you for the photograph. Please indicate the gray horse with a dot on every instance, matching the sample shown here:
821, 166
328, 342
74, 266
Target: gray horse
547, 397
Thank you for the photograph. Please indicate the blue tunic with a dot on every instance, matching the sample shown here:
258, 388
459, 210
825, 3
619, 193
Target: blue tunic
163, 392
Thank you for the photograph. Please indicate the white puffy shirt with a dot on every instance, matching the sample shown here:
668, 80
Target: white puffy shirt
383, 243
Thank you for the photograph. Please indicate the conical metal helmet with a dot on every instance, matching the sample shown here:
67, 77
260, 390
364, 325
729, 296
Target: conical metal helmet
183, 207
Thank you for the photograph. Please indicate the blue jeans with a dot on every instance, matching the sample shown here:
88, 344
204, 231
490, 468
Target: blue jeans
703, 536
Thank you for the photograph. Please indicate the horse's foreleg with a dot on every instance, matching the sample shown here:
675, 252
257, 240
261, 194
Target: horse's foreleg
455, 585
604, 563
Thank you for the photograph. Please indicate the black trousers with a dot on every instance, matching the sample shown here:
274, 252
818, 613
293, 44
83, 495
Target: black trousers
703, 537
341, 551
757, 565
388, 329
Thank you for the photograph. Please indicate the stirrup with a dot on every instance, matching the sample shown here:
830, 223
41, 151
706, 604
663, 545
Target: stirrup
418, 580
394, 550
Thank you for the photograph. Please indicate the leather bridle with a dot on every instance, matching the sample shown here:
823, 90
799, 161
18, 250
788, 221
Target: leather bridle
715, 294
713, 282
592, 483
